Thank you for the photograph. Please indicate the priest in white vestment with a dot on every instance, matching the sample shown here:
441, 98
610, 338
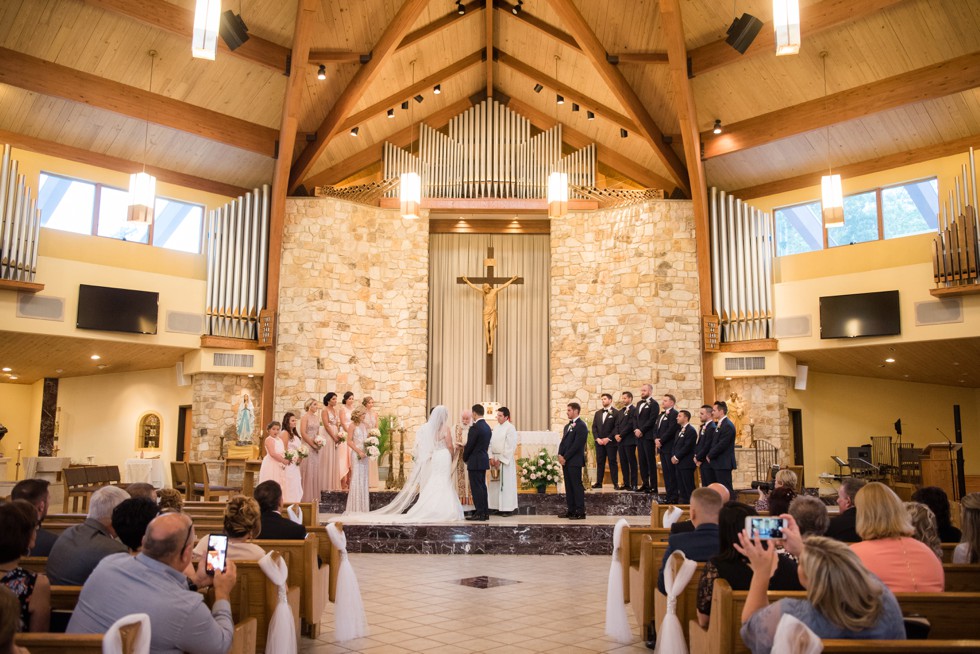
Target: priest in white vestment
502, 487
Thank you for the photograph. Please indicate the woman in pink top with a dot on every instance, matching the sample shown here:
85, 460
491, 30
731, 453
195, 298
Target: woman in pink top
902, 563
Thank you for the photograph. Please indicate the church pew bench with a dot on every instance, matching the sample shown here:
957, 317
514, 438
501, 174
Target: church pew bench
305, 572
948, 551
962, 578
945, 612
629, 551
660, 510
901, 646
328, 554
643, 578
64, 598
211, 509
34, 563
654, 605
243, 642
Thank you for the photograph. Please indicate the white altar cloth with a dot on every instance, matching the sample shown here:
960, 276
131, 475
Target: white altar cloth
149, 471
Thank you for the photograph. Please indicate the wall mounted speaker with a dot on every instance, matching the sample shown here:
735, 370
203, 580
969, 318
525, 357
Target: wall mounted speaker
801, 373
792, 326
185, 323
233, 31
40, 307
939, 312
743, 31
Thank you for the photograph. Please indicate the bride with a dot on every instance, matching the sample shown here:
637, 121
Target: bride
431, 480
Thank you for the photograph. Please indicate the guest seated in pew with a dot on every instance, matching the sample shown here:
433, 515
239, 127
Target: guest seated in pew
35, 491
887, 549
684, 526
18, 524
130, 519
780, 499
843, 600
268, 494
243, 522
785, 478
170, 500
153, 582
935, 498
733, 567
924, 524
842, 526
142, 489
9, 622
969, 550
702, 543
810, 514
80, 548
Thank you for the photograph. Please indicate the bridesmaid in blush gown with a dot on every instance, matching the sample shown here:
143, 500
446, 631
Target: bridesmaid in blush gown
359, 496
330, 430
309, 427
273, 464
292, 487
343, 458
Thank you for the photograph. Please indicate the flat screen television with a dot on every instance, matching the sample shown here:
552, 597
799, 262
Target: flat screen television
117, 309
862, 314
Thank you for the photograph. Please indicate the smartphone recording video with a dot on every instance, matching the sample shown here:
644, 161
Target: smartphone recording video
217, 555
765, 528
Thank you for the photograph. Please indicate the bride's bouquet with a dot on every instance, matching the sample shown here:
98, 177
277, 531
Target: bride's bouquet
372, 442
540, 470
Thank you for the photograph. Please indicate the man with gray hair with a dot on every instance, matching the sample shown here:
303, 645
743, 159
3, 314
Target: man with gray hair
810, 514
80, 548
153, 582
843, 527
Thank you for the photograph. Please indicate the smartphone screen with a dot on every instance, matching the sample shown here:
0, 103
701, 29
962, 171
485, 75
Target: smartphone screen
765, 528
217, 553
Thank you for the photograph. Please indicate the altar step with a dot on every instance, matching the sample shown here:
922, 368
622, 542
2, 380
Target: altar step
597, 503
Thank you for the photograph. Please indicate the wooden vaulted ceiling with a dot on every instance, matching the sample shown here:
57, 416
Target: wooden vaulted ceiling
904, 79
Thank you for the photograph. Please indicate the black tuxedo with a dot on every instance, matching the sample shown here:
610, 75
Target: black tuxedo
665, 431
573, 441
625, 424
701, 452
684, 443
646, 422
721, 454
605, 428
276, 527
842, 527
477, 463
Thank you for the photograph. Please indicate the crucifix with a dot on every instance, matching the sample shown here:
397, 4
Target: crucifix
489, 303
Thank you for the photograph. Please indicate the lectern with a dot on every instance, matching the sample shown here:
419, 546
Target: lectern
938, 465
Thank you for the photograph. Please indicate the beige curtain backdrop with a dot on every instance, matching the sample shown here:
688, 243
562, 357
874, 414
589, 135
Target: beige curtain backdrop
457, 352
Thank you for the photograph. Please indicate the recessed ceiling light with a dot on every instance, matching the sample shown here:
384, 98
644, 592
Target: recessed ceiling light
60, 370
889, 360
15, 377
955, 363
95, 357
7, 369
102, 366
250, 376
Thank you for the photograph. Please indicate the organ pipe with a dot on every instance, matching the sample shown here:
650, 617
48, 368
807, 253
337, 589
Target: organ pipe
20, 223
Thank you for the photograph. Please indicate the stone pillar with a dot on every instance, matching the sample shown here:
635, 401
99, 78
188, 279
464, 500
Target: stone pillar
217, 398
759, 410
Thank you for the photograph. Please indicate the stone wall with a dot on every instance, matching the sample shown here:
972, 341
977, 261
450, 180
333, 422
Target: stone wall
760, 411
353, 307
217, 399
624, 305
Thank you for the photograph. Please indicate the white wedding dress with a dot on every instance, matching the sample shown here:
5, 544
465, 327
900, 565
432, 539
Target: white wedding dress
431, 480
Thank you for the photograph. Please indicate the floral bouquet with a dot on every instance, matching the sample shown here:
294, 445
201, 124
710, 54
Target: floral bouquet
320, 440
540, 470
297, 455
372, 442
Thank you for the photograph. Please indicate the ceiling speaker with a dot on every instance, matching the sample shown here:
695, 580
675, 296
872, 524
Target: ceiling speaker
742, 32
233, 31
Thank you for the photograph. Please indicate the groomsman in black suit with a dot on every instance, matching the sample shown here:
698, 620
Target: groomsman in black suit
477, 460
647, 410
721, 455
682, 457
704, 445
606, 447
666, 429
571, 456
626, 438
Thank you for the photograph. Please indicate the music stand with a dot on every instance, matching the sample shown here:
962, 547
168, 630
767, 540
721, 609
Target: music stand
841, 464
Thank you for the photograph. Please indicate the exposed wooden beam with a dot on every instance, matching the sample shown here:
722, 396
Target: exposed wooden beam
489, 52
79, 155
402, 138
865, 167
180, 21
448, 72
673, 30
605, 156
537, 23
637, 58
935, 81
472, 9
575, 22
302, 39
813, 19
407, 14
318, 57
536, 75
33, 74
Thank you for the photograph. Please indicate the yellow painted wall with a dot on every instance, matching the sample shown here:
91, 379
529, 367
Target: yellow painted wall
841, 411
16, 412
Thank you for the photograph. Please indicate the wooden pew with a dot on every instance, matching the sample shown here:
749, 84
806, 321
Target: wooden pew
945, 612
948, 551
328, 553
307, 574
962, 578
660, 510
212, 509
643, 579
64, 598
902, 646
243, 642
629, 551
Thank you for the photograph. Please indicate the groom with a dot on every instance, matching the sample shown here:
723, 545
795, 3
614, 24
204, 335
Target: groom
477, 463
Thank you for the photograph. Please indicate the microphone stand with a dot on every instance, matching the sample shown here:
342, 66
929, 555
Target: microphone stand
952, 476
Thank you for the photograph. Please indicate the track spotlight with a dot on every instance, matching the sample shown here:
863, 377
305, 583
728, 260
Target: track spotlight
354, 131
574, 106
590, 115
538, 88
560, 99
437, 89
405, 105
717, 127
419, 98
391, 113
623, 133
518, 8
321, 73
460, 9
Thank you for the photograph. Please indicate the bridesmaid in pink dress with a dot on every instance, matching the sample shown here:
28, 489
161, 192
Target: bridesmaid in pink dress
309, 427
343, 455
330, 429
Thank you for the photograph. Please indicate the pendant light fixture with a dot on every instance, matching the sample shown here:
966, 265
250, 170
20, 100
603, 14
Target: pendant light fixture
410, 185
786, 25
557, 181
832, 195
143, 187
207, 20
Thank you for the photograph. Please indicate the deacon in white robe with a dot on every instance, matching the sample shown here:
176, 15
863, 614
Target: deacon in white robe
503, 445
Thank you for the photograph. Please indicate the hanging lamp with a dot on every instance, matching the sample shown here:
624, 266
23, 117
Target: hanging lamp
557, 180
207, 19
831, 191
786, 26
143, 186
410, 184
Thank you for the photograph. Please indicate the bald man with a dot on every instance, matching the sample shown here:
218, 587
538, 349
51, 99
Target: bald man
683, 526
153, 582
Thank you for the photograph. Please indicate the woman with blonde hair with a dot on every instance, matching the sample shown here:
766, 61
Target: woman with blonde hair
887, 549
785, 478
242, 524
924, 524
359, 497
309, 428
969, 550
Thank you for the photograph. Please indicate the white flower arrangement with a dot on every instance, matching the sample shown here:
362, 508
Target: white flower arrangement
320, 440
541, 470
374, 433
373, 451
295, 456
